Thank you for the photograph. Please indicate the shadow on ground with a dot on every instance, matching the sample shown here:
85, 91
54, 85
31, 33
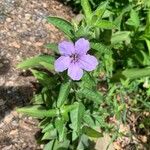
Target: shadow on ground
11, 97
4, 65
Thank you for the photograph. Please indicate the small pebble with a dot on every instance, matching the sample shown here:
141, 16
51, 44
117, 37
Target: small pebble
14, 132
9, 20
27, 16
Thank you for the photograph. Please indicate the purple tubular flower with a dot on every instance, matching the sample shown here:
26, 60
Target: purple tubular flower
75, 58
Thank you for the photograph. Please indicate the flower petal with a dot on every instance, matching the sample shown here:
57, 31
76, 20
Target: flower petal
62, 63
88, 62
75, 72
82, 46
66, 48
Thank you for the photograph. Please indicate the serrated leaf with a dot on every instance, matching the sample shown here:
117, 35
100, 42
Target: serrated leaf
100, 47
62, 24
38, 111
91, 132
35, 61
63, 93
53, 47
104, 24
91, 95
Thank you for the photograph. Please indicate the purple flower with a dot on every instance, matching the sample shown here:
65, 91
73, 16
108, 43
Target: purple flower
75, 58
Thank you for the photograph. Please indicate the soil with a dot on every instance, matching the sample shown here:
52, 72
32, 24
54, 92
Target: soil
23, 33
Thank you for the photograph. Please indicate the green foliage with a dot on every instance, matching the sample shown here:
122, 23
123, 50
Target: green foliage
63, 93
91, 132
76, 116
72, 113
62, 24
134, 19
37, 61
38, 111
104, 24
92, 95
87, 9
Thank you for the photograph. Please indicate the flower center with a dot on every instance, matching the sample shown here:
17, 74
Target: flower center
74, 58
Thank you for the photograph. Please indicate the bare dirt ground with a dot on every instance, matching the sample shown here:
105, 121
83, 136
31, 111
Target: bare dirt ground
23, 33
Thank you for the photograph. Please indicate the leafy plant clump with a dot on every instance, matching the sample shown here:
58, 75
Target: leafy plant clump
73, 113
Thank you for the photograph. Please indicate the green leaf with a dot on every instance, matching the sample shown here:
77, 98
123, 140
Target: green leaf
120, 36
44, 122
47, 128
35, 61
131, 74
101, 48
55, 145
60, 126
134, 19
148, 45
147, 29
118, 20
43, 78
47, 66
37, 99
92, 95
83, 32
91, 132
89, 120
86, 9
38, 111
88, 81
83, 143
50, 135
63, 93
67, 108
100, 10
100, 120
61, 145
104, 24
53, 47
64, 110
76, 116
49, 145
62, 24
